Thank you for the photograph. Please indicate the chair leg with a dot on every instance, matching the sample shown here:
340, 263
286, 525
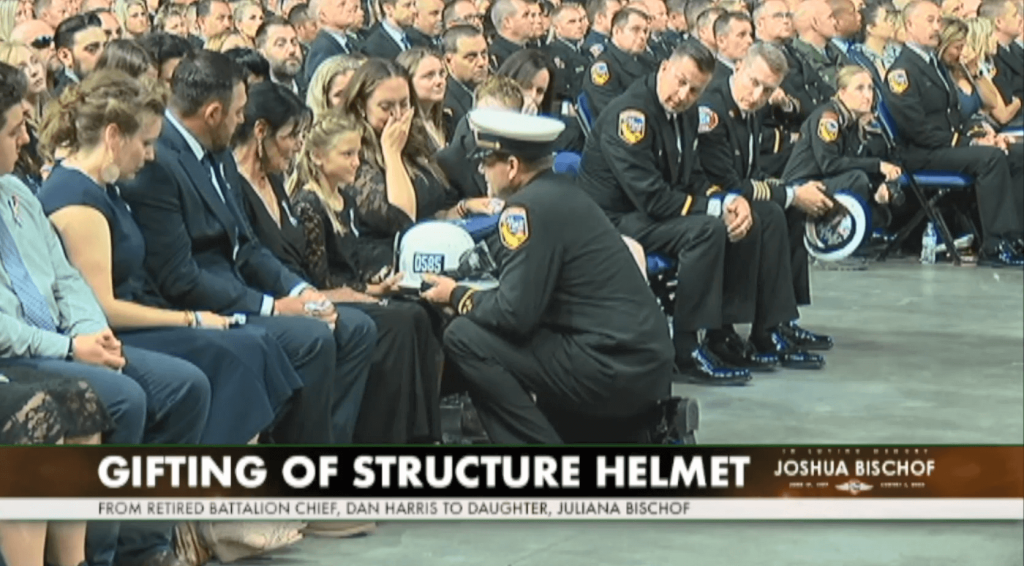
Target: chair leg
940, 222
902, 235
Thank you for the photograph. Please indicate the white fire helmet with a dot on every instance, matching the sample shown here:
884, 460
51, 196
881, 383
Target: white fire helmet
839, 233
443, 248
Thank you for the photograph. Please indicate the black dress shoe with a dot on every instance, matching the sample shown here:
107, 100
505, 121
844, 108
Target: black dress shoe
805, 339
705, 368
735, 351
1003, 255
789, 355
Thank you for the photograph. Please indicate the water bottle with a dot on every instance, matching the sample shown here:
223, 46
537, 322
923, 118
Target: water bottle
929, 241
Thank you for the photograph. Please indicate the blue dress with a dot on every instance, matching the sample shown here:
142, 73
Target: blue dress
250, 375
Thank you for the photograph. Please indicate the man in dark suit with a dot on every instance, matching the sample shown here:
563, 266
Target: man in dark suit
465, 57
923, 101
1009, 57
203, 255
426, 31
734, 34
336, 18
389, 38
80, 41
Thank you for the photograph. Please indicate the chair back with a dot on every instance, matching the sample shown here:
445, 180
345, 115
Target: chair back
584, 113
567, 163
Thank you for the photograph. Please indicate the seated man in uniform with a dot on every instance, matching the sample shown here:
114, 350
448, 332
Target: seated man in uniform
924, 103
729, 132
620, 64
640, 165
572, 320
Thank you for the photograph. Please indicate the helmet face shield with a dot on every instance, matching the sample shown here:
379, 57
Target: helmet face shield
839, 233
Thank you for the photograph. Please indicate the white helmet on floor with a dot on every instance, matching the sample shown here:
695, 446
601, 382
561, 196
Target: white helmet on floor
836, 235
443, 248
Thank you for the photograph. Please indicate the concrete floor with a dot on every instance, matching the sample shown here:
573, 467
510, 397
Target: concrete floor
924, 355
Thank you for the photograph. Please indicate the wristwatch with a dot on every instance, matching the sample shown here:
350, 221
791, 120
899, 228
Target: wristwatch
70, 356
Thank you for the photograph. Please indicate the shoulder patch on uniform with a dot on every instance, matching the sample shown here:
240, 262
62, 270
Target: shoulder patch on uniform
708, 119
597, 49
632, 126
828, 129
599, 73
514, 227
898, 81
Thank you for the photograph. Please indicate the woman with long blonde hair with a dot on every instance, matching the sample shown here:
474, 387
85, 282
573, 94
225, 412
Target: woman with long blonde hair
30, 165
134, 17
329, 82
964, 48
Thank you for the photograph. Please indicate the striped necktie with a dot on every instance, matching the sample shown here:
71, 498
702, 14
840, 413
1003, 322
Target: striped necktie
33, 304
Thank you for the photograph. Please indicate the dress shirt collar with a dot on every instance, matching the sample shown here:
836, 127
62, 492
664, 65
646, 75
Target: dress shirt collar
193, 144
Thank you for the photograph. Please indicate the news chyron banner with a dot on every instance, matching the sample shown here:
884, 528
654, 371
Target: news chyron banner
505, 483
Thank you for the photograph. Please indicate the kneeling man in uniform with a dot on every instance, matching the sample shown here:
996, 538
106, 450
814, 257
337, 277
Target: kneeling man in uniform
572, 337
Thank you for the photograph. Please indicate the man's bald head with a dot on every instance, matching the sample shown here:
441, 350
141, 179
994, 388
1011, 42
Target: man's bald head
814, 20
30, 31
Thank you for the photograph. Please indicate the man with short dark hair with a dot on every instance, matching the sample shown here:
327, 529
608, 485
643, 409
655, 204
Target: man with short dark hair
111, 25
848, 24
640, 165
924, 102
79, 40
389, 39
212, 17
335, 19
202, 253
511, 19
730, 133
465, 57
305, 27
600, 14
619, 65
566, 51
167, 51
277, 41
734, 34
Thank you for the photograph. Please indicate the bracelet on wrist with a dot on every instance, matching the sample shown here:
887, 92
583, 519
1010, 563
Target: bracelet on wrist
190, 319
461, 209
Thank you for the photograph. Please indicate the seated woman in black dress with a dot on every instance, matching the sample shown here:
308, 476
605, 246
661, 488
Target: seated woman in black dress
398, 182
42, 408
109, 123
401, 400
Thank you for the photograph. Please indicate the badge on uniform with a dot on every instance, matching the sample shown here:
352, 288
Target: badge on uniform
708, 119
514, 227
599, 74
898, 81
559, 63
828, 130
632, 126
596, 50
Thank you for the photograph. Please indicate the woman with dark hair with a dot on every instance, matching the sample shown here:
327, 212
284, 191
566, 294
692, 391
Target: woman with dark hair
167, 51
255, 66
39, 407
429, 80
129, 57
398, 182
400, 405
532, 71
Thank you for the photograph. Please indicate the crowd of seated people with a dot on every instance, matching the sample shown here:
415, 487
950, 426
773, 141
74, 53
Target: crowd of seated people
201, 199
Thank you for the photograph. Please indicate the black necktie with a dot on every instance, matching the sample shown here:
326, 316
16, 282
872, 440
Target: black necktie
938, 69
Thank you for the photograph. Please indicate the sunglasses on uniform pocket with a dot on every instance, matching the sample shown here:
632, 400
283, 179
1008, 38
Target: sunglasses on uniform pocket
42, 42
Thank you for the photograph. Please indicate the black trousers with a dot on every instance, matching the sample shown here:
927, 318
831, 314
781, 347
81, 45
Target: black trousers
998, 186
500, 375
857, 182
333, 365
722, 282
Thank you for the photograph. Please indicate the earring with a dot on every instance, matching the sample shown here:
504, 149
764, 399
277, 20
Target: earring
110, 173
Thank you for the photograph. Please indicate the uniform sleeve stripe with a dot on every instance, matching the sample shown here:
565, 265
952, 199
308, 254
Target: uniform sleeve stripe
464, 302
686, 207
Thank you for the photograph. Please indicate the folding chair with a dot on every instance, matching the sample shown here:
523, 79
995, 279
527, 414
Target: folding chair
937, 183
567, 163
584, 113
